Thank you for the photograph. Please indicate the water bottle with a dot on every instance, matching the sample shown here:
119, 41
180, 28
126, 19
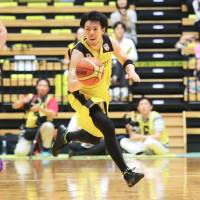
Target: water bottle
4, 147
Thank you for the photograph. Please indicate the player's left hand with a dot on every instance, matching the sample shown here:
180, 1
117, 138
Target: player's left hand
131, 74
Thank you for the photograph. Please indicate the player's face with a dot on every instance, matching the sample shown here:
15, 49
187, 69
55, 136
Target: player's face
93, 33
119, 31
42, 88
144, 107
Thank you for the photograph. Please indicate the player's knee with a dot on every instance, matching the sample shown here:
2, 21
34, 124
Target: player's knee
47, 128
149, 143
23, 147
47, 132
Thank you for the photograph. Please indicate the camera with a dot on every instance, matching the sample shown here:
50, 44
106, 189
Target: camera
127, 119
134, 124
41, 120
29, 104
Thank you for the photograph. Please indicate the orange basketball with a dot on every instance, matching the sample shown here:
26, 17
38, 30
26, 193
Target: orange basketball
89, 71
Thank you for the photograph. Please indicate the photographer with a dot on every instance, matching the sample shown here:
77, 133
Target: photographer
41, 108
146, 135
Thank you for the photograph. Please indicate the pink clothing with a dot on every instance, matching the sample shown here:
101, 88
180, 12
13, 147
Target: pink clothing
52, 105
197, 50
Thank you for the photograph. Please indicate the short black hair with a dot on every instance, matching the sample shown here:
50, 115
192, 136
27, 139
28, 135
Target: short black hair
119, 23
94, 16
43, 79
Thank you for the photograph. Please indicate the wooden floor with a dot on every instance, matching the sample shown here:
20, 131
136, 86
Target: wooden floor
172, 178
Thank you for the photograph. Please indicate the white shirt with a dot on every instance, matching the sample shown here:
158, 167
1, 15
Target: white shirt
130, 23
196, 8
128, 47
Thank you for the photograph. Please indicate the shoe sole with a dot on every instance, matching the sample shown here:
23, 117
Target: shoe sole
55, 151
135, 182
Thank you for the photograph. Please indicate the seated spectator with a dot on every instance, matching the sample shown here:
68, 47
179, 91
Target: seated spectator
127, 16
41, 108
196, 7
78, 37
194, 85
185, 41
3, 35
120, 90
147, 134
189, 6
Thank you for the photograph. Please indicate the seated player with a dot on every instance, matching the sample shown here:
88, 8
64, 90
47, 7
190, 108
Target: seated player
41, 108
148, 134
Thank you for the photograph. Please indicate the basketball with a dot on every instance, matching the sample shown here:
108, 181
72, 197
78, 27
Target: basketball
89, 71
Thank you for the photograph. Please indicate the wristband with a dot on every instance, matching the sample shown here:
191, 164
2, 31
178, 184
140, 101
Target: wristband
127, 62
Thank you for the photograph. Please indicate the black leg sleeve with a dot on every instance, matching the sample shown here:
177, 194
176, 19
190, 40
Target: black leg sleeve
82, 136
105, 125
98, 149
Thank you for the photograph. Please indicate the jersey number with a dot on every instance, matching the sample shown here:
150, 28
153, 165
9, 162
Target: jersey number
146, 130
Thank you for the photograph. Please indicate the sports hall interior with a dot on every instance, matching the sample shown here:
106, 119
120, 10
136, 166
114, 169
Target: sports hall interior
39, 32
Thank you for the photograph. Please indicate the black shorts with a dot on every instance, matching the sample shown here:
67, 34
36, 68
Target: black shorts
30, 133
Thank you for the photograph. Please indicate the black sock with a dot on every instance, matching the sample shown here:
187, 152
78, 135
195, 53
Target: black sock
105, 125
46, 149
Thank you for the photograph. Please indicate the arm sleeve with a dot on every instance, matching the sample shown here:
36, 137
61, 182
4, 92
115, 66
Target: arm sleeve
52, 105
158, 124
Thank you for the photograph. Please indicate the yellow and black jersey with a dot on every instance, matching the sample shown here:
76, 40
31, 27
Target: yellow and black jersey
98, 94
147, 127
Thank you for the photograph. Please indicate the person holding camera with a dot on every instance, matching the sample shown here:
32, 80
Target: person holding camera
147, 134
41, 108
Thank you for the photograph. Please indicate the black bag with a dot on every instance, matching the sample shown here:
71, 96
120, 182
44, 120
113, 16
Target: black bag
8, 143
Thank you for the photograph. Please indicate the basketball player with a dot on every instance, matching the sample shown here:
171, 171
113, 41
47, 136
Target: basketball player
91, 104
3, 35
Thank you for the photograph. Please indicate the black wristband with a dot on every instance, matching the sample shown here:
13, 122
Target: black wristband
127, 62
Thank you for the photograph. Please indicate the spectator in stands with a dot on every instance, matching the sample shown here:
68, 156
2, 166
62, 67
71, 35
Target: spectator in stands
79, 36
196, 7
194, 85
3, 35
127, 16
120, 89
147, 134
189, 6
184, 41
197, 54
41, 108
